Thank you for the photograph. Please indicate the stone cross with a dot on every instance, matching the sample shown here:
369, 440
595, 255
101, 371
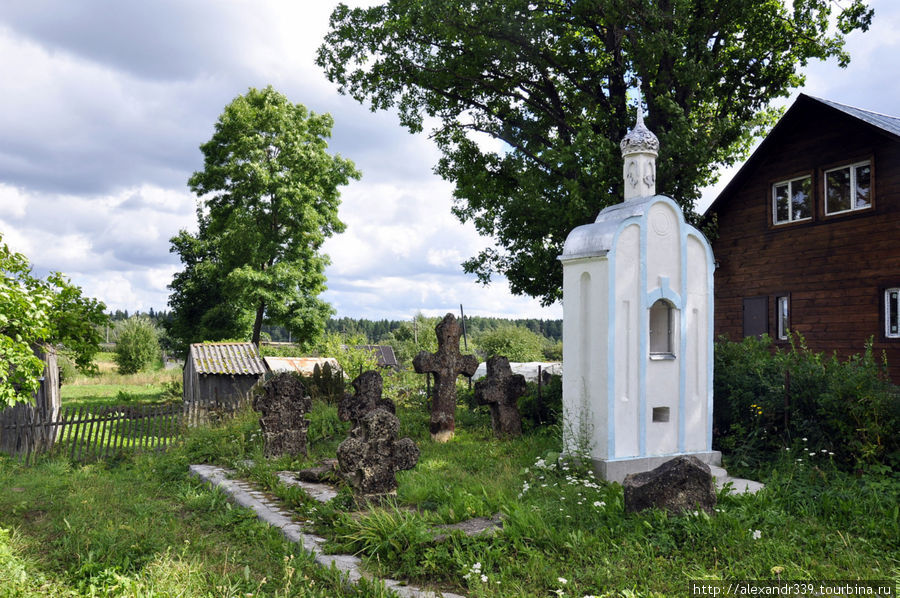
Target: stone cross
283, 404
372, 454
500, 389
446, 365
366, 397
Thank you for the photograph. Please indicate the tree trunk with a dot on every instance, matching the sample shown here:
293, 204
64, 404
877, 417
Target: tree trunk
257, 324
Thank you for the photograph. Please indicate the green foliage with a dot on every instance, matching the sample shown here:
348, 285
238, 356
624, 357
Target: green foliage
35, 311
543, 411
766, 400
515, 343
137, 346
269, 200
343, 347
201, 309
325, 384
411, 337
551, 82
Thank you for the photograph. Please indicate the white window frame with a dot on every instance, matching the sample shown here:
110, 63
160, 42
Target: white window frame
853, 195
662, 342
782, 316
892, 296
790, 204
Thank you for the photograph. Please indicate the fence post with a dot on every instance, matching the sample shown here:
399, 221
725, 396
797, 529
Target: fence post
787, 403
540, 398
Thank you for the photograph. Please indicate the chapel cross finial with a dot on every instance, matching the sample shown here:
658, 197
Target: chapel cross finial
639, 150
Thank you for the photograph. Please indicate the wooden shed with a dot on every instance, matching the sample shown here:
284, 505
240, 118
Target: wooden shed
221, 374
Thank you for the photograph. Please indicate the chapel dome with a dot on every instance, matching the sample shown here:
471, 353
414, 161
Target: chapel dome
640, 139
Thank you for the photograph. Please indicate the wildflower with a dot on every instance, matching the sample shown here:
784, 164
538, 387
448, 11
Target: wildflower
757, 534
599, 504
483, 578
830, 454
804, 440
812, 454
562, 580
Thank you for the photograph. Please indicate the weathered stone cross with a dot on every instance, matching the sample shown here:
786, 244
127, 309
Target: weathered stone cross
446, 365
372, 454
283, 404
500, 389
366, 397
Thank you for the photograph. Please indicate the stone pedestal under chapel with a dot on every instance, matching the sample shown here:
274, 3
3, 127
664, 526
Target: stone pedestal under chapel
638, 328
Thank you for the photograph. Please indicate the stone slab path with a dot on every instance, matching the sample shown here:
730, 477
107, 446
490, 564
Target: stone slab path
246, 495
739, 485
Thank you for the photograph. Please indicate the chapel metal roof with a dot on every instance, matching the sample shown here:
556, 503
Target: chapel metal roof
237, 359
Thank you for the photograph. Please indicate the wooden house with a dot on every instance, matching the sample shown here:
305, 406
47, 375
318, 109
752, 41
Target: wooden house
221, 374
809, 233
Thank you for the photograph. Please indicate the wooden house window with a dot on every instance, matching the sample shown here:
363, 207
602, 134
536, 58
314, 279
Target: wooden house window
848, 188
782, 316
892, 313
756, 316
792, 200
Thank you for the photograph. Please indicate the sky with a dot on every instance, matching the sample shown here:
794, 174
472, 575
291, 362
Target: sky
103, 107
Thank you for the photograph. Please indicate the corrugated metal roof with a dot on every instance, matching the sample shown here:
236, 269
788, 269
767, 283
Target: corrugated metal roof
891, 124
304, 365
239, 359
882, 122
383, 353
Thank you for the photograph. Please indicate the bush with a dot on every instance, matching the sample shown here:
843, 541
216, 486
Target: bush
515, 343
768, 400
546, 411
137, 345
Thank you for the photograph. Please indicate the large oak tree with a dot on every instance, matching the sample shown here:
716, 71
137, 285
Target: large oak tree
557, 82
268, 200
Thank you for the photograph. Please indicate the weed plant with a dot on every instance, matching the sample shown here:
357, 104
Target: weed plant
766, 399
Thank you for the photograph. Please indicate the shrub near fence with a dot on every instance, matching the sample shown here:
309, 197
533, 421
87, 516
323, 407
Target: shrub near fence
96, 432
766, 400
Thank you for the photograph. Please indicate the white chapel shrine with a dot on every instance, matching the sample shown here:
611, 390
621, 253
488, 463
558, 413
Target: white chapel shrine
638, 328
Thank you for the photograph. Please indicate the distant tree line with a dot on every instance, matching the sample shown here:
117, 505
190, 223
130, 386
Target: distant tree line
377, 331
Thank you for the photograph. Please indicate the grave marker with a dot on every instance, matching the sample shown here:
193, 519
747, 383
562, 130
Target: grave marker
283, 404
366, 396
446, 365
501, 390
372, 454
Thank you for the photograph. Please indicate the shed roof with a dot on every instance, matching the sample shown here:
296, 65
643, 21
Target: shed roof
383, 353
303, 365
236, 359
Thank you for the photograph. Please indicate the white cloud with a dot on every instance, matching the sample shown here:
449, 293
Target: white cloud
104, 106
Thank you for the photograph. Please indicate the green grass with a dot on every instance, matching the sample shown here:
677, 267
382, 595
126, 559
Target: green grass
138, 526
110, 388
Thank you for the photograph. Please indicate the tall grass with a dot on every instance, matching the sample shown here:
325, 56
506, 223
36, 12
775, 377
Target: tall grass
110, 387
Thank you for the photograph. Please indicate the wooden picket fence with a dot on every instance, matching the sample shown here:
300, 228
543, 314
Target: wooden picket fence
97, 432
